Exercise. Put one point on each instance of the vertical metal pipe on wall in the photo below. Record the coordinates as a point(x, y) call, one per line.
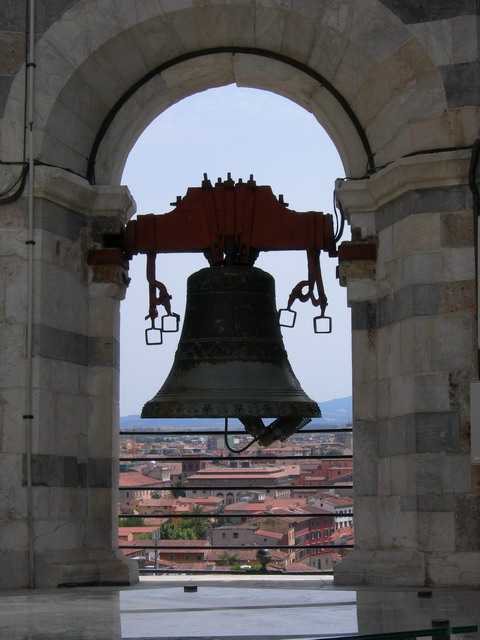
point(475, 386)
point(28, 417)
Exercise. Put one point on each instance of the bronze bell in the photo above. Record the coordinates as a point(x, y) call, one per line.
point(230, 360)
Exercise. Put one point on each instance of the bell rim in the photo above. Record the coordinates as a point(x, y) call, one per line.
point(229, 409)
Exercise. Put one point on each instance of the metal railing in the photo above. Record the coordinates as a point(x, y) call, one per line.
point(158, 546)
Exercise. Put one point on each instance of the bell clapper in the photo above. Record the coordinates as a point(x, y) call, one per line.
point(237, 450)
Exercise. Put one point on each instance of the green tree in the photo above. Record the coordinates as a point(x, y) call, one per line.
point(145, 536)
point(334, 452)
point(167, 531)
point(178, 493)
point(222, 520)
point(193, 528)
point(131, 521)
point(229, 559)
point(195, 525)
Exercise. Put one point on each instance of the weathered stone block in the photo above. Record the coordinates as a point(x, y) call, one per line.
point(460, 264)
point(5, 84)
point(407, 565)
point(415, 338)
point(422, 268)
point(467, 523)
point(389, 351)
point(366, 522)
point(436, 531)
point(298, 37)
point(57, 535)
point(402, 476)
point(429, 475)
point(58, 376)
point(44, 427)
point(63, 503)
point(100, 503)
point(402, 396)
point(14, 534)
point(397, 528)
point(376, 30)
point(365, 445)
point(457, 296)
point(411, 12)
point(61, 345)
point(15, 571)
point(363, 316)
point(384, 250)
point(408, 302)
point(464, 38)
point(41, 502)
point(432, 392)
point(425, 98)
point(396, 436)
point(48, 470)
point(71, 420)
point(456, 474)
point(384, 475)
point(358, 289)
point(438, 432)
point(457, 229)
point(13, 495)
point(408, 503)
point(461, 83)
point(99, 532)
point(436, 502)
point(451, 339)
point(103, 381)
point(365, 401)
point(383, 398)
point(436, 38)
point(14, 16)
point(102, 412)
point(12, 52)
point(424, 201)
point(416, 234)
point(453, 569)
point(365, 354)
point(100, 473)
point(12, 363)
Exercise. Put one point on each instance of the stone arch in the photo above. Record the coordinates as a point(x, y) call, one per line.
point(412, 375)
point(349, 68)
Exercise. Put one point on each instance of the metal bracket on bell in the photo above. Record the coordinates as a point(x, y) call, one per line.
point(282, 313)
point(151, 329)
point(170, 326)
point(316, 324)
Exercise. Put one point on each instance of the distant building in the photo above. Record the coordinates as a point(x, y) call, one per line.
point(232, 483)
point(341, 506)
point(134, 486)
point(173, 551)
point(232, 535)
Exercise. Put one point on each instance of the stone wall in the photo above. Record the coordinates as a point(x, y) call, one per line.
point(414, 337)
point(395, 83)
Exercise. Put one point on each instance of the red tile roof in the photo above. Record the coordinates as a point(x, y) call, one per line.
point(134, 479)
point(342, 532)
point(299, 566)
point(127, 530)
point(269, 534)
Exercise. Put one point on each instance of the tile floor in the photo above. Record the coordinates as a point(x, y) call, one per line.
point(256, 608)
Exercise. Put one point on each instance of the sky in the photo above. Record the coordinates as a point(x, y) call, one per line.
point(242, 131)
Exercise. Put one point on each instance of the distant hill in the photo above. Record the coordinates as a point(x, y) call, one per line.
point(334, 412)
